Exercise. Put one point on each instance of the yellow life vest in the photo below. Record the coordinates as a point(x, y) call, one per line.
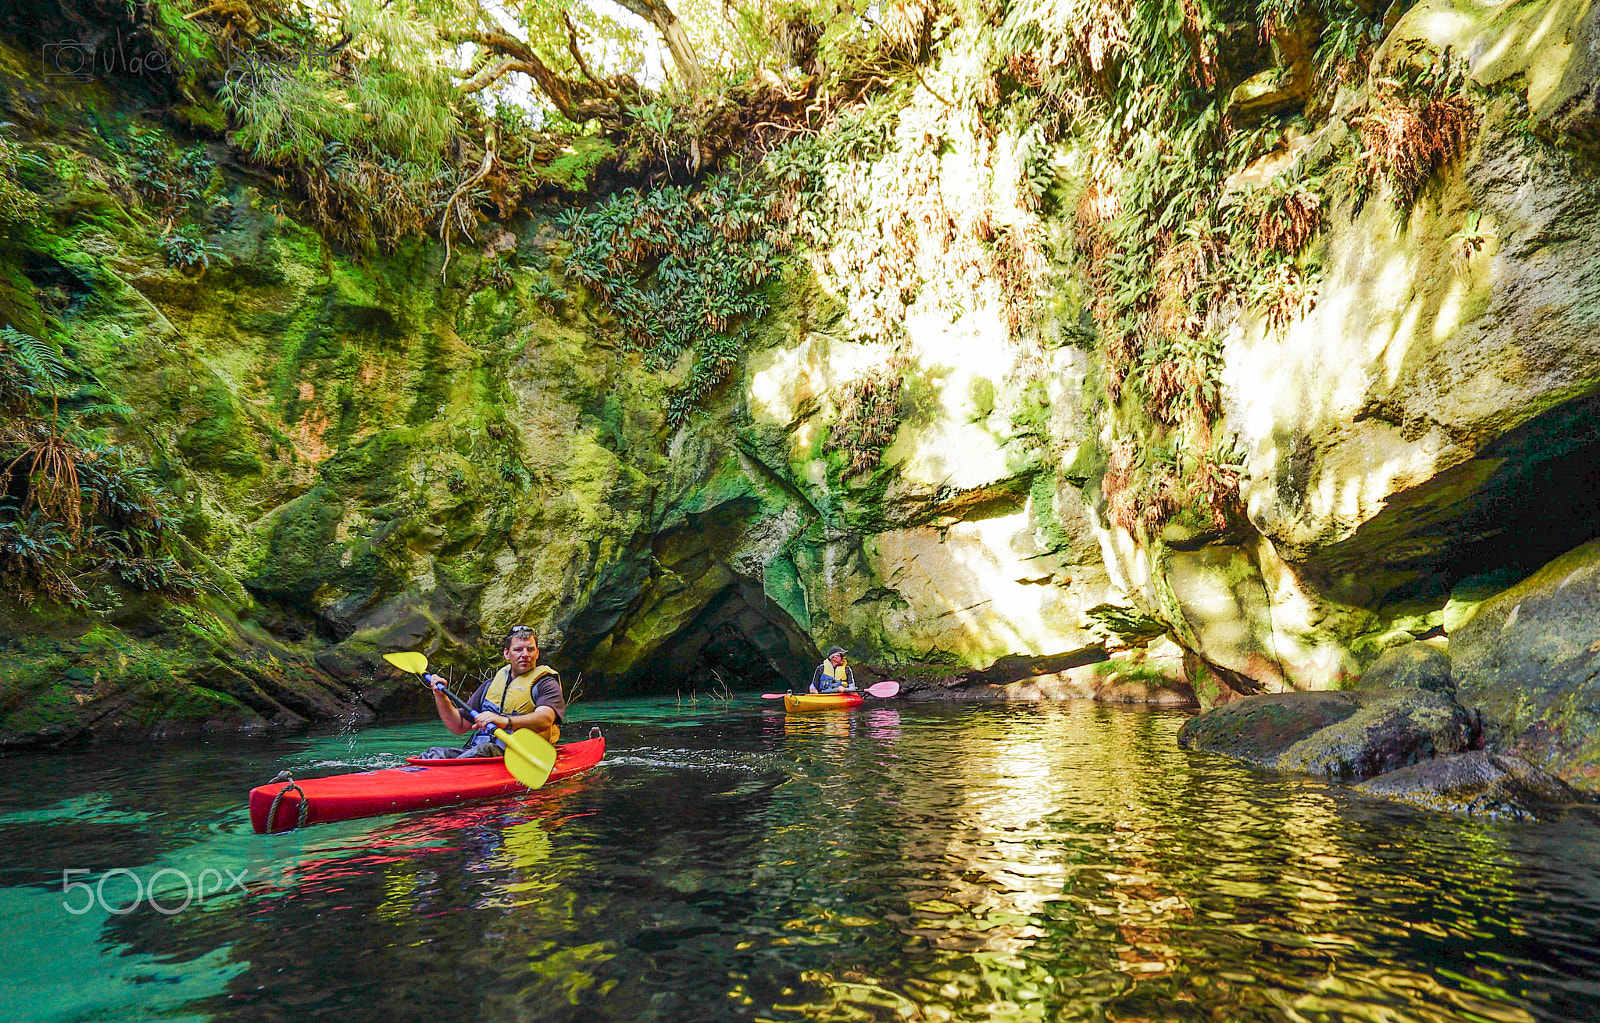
point(839, 673)
point(516, 694)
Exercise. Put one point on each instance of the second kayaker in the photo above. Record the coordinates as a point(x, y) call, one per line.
point(523, 694)
point(833, 675)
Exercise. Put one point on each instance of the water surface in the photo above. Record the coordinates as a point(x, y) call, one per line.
point(1062, 862)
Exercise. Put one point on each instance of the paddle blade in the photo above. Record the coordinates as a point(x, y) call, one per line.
point(408, 660)
point(884, 689)
point(773, 696)
point(529, 757)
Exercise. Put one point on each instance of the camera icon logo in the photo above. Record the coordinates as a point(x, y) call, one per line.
point(67, 60)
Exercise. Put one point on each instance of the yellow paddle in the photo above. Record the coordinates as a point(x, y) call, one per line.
point(529, 757)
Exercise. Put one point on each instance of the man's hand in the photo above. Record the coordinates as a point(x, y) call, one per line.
point(489, 717)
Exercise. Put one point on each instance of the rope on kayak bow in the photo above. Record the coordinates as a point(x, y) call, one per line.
point(305, 804)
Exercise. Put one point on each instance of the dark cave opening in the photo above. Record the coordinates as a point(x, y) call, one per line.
point(1537, 496)
point(740, 640)
point(1542, 503)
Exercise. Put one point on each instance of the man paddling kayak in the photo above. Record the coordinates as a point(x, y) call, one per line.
point(833, 675)
point(523, 694)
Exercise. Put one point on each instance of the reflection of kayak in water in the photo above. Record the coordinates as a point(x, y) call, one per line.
point(820, 701)
point(420, 784)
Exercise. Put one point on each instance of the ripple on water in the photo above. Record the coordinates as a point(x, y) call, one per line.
point(898, 863)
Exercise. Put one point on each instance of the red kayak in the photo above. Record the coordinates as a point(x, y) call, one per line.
point(420, 784)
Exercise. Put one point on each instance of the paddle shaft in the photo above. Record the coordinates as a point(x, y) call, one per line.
point(868, 691)
point(461, 705)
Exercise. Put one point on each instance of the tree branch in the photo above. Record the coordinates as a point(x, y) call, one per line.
point(577, 101)
point(657, 13)
point(577, 55)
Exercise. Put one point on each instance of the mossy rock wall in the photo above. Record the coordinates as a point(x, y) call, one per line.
point(386, 450)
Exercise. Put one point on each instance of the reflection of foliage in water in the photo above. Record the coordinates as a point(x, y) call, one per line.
point(1068, 862)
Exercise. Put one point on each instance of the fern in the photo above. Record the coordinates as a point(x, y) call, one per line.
point(42, 360)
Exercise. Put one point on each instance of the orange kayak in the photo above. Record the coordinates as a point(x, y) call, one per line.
point(420, 784)
point(820, 701)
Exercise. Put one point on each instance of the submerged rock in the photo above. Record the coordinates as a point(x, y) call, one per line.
point(1477, 783)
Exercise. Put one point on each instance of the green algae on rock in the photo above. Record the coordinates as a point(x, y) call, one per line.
point(1247, 417)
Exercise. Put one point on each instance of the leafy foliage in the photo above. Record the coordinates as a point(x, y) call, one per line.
point(187, 249)
point(1350, 34)
point(547, 293)
point(394, 117)
point(18, 206)
point(1412, 129)
point(35, 556)
point(71, 502)
point(1145, 83)
point(171, 181)
point(1172, 248)
point(1287, 214)
point(1468, 242)
point(683, 270)
point(869, 416)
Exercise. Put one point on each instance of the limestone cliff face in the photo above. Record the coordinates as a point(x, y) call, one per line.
point(383, 452)
point(1431, 419)
point(1425, 435)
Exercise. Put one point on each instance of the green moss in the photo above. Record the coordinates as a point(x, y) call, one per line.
point(188, 48)
point(196, 704)
point(218, 440)
point(574, 169)
point(1042, 501)
point(981, 394)
point(205, 116)
point(50, 709)
point(1208, 687)
point(781, 582)
point(299, 548)
point(1134, 670)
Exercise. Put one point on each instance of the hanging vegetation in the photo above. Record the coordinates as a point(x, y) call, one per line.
point(683, 270)
point(1170, 246)
point(71, 502)
point(869, 416)
point(1413, 127)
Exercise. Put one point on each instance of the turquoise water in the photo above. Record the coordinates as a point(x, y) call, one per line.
point(1058, 862)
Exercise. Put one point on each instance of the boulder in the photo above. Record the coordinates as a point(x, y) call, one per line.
point(1529, 660)
point(1392, 729)
point(1346, 736)
point(1413, 665)
point(1272, 91)
point(1261, 729)
point(1477, 783)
